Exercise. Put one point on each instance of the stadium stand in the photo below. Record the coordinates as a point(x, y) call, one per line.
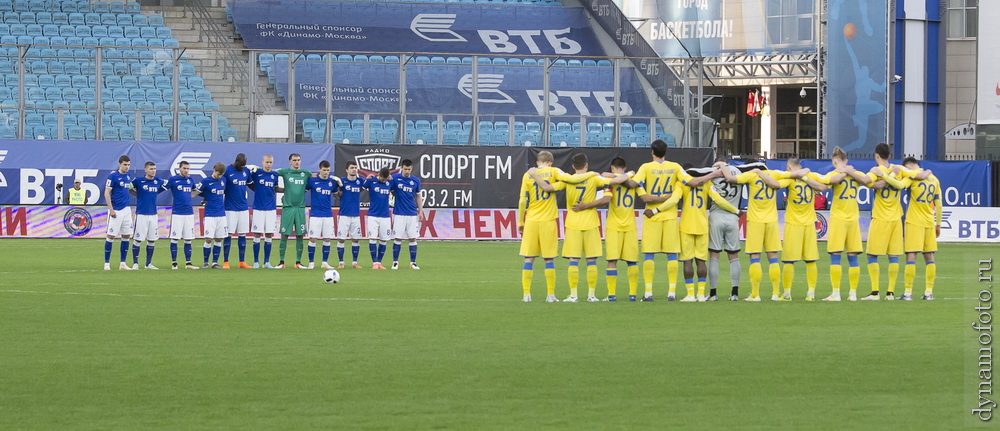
point(61, 73)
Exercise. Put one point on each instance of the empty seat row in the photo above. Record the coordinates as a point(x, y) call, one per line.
point(110, 107)
point(23, 19)
point(10, 50)
point(51, 6)
point(113, 133)
point(83, 81)
point(84, 30)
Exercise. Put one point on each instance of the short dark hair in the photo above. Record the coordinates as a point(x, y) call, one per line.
point(219, 167)
point(290, 156)
point(148, 164)
point(406, 162)
point(350, 163)
point(794, 161)
point(659, 148)
point(384, 173)
point(241, 158)
point(324, 164)
point(183, 163)
point(579, 161)
point(882, 150)
point(909, 160)
point(619, 162)
point(124, 158)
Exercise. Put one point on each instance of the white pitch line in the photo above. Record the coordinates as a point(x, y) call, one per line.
point(267, 298)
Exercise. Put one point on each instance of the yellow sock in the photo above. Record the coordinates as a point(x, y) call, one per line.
point(550, 278)
point(909, 274)
point(788, 274)
point(755, 276)
point(591, 279)
point(853, 275)
point(611, 278)
point(893, 275)
point(701, 286)
point(812, 275)
point(672, 269)
point(526, 275)
point(774, 273)
point(633, 279)
point(574, 278)
point(648, 269)
point(836, 273)
point(873, 274)
point(931, 272)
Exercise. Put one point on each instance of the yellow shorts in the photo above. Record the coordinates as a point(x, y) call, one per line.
point(660, 236)
point(694, 246)
point(582, 243)
point(844, 235)
point(622, 245)
point(920, 239)
point(885, 237)
point(762, 237)
point(541, 238)
point(799, 244)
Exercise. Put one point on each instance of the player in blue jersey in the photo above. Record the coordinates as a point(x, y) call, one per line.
point(379, 224)
point(349, 220)
point(323, 188)
point(408, 212)
point(147, 227)
point(213, 189)
point(119, 214)
point(264, 220)
point(237, 212)
point(182, 214)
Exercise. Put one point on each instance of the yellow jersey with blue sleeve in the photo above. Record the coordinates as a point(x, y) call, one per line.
point(888, 206)
point(584, 192)
point(800, 210)
point(660, 179)
point(763, 207)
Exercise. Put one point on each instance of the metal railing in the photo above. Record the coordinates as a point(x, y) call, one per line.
point(233, 67)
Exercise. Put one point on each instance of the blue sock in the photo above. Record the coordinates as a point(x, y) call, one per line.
point(381, 251)
point(701, 279)
point(355, 251)
point(267, 250)
point(326, 251)
point(893, 259)
point(216, 251)
point(187, 251)
point(340, 251)
point(413, 252)
point(528, 266)
point(108, 245)
point(312, 251)
point(688, 281)
point(373, 249)
point(872, 259)
point(754, 260)
point(207, 251)
point(226, 243)
point(852, 261)
point(772, 260)
point(671, 256)
point(612, 272)
point(835, 259)
point(550, 265)
point(135, 253)
point(173, 251)
point(149, 254)
point(396, 246)
point(649, 256)
point(256, 250)
point(123, 248)
point(241, 242)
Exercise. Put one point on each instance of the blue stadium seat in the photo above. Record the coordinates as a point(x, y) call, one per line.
point(117, 7)
point(124, 19)
point(434, 60)
point(452, 60)
point(161, 134)
point(139, 20)
point(164, 33)
point(60, 18)
point(422, 59)
point(155, 20)
point(132, 7)
point(361, 58)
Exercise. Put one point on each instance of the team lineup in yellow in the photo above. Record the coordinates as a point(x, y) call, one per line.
point(708, 201)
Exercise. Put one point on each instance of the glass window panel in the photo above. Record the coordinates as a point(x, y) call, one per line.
point(807, 126)
point(805, 29)
point(955, 24)
point(785, 126)
point(971, 23)
point(805, 7)
point(788, 7)
point(788, 29)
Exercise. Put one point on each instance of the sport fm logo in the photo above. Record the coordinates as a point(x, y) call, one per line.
point(370, 164)
point(486, 84)
point(429, 25)
point(196, 160)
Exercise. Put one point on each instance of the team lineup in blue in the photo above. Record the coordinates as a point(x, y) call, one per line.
point(227, 212)
point(708, 225)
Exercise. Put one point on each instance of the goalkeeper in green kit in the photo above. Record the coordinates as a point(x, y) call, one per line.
point(293, 208)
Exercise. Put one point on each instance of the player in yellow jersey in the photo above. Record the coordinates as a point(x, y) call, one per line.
point(762, 224)
point(800, 230)
point(583, 236)
point(845, 232)
point(536, 218)
point(657, 180)
point(885, 233)
point(694, 231)
point(620, 231)
point(923, 226)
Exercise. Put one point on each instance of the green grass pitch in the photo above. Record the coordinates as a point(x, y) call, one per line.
point(453, 347)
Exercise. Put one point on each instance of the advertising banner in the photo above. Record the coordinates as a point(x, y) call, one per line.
point(414, 27)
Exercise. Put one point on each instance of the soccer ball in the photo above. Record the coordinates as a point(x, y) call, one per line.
point(331, 276)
